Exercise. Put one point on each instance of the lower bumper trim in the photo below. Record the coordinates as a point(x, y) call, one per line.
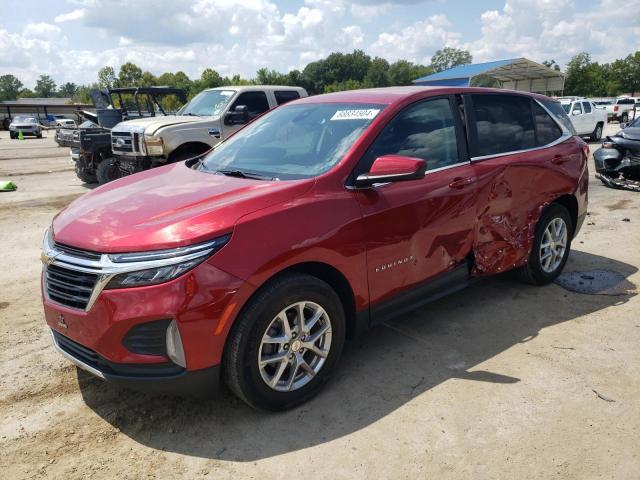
point(154, 379)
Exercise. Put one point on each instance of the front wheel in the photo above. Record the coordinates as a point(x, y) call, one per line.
point(286, 343)
point(625, 118)
point(108, 170)
point(551, 246)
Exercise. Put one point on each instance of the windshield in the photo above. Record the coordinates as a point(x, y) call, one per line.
point(566, 107)
point(207, 103)
point(24, 119)
point(293, 142)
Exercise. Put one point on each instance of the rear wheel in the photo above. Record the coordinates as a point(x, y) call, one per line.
point(108, 170)
point(625, 118)
point(286, 343)
point(84, 175)
point(551, 246)
point(596, 135)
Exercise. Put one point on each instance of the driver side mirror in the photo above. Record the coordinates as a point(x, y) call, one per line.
point(392, 168)
point(237, 116)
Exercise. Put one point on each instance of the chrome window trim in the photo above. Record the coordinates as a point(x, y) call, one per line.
point(78, 363)
point(106, 269)
point(566, 134)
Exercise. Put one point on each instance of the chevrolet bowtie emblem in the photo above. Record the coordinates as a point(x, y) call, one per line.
point(61, 322)
point(48, 259)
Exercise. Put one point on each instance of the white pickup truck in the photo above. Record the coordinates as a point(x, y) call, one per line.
point(587, 119)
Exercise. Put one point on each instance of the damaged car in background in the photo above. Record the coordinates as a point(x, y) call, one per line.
point(91, 143)
point(618, 161)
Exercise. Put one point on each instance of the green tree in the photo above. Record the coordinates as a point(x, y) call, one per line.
point(210, 79)
point(107, 77)
point(9, 87)
point(265, 76)
point(130, 75)
point(67, 90)
point(404, 72)
point(377, 73)
point(26, 93)
point(342, 86)
point(627, 72)
point(148, 79)
point(45, 87)
point(449, 57)
point(586, 78)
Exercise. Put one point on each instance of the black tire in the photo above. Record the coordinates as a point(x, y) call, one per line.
point(12, 135)
point(240, 360)
point(625, 118)
point(39, 135)
point(85, 176)
point(532, 272)
point(5, 123)
point(596, 135)
point(108, 170)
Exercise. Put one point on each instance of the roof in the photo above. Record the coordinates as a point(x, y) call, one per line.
point(465, 71)
point(257, 87)
point(390, 95)
point(514, 73)
point(40, 101)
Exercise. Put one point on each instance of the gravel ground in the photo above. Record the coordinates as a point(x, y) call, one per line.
point(502, 380)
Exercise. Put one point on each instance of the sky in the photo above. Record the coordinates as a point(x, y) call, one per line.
point(72, 39)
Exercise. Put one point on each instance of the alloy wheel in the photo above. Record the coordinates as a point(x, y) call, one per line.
point(295, 346)
point(553, 245)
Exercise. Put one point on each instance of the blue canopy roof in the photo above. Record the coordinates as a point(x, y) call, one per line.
point(465, 71)
point(514, 73)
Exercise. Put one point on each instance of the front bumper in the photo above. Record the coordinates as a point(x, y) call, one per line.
point(164, 378)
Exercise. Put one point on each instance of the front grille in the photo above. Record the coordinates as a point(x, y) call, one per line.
point(76, 252)
point(122, 142)
point(82, 353)
point(69, 287)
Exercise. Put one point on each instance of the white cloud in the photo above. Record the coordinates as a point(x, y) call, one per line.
point(41, 29)
point(418, 41)
point(76, 14)
point(241, 36)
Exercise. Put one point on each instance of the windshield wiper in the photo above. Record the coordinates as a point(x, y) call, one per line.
point(241, 174)
point(191, 114)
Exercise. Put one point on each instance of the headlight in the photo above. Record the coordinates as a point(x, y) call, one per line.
point(160, 266)
point(154, 145)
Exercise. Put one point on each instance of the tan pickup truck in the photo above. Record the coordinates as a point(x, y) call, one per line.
point(210, 117)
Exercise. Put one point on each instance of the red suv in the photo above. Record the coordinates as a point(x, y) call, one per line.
point(325, 216)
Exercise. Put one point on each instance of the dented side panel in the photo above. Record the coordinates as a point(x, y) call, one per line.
point(512, 192)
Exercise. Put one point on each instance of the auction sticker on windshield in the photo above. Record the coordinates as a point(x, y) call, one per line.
point(360, 114)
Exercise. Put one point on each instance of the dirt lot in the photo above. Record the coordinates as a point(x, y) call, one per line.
point(498, 381)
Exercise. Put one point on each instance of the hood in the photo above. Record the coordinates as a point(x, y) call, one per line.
point(152, 124)
point(630, 133)
point(165, 207)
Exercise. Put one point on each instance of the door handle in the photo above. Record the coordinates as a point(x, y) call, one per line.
point(559, 159)
point(460, 182)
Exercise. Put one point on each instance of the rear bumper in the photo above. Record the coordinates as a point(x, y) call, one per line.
point(168, 379)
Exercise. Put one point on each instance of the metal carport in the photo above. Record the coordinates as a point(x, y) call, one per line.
point(514, 74)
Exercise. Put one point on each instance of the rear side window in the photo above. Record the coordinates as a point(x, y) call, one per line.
point(625, 101)
point(424, 130)
point(256, 103)
point(503, 123)
point(284, 96)
point(587, 107)
point(556, 109)
point(547, 131)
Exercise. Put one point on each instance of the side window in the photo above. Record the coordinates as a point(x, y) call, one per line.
point(284, 96)
point(503, 123)
point(256, 103)
point(547, 131)
point(587, 107)
point(576, 109)
point(556, 109)
point(423, 130)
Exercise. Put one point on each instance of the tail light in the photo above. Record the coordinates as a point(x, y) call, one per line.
point(615, 108)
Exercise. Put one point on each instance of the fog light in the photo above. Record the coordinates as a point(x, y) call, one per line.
point(174, 345)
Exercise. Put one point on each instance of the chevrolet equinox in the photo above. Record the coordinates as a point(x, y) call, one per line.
point(252, 263)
